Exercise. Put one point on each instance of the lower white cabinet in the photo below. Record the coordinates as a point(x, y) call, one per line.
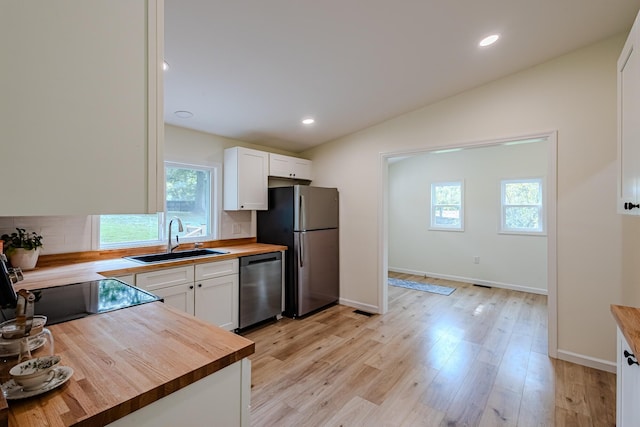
point(181, 296)
point(209, 291)
point(216, 301)
point(628, 385)
point(220, 399)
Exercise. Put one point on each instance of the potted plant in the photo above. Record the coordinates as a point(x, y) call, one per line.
point(22, 248)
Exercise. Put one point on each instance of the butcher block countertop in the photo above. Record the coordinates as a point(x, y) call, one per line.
point(628, 320)
point(56, 270)
point(126, 359)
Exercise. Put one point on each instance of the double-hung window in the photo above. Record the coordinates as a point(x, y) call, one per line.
point(447, 206)
point(522, 206)
point(191, 194)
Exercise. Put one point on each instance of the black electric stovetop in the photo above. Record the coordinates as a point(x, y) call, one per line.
point(77, 300)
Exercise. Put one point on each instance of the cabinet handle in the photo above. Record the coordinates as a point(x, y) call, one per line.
point(199, 285)
point(632, 362)
point(190, 286)
point(628, 206)
point(627, 354)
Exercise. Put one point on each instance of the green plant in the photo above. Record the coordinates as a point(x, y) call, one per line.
point(28, 241)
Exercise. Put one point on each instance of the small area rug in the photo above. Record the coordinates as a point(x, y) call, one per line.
point(427, 287)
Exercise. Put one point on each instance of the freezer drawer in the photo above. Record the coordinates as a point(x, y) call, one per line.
point(260, 288)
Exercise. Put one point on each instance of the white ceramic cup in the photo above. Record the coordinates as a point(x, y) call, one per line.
point(35, 373)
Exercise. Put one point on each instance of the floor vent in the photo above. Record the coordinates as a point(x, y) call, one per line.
point(482, 286)
point(364, 313)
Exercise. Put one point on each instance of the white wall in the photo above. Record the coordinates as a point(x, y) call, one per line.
point(506, 260)
point(574, 94)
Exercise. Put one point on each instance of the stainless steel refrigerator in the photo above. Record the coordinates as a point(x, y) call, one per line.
point(305, 219)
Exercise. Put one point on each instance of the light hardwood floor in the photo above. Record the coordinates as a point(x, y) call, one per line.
point(474, 358)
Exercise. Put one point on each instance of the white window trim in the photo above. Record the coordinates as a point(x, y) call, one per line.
point(215, 211)
point(431, 206)
point(502, 229)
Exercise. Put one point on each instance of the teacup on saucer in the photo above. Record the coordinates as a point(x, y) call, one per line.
point(34, 373)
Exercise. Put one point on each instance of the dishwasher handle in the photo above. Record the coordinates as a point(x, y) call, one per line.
point(246, 261)
point(261, 261)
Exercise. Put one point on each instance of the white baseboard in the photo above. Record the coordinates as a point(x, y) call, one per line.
point(472, 281)
point(591, 362)
point(360, 306)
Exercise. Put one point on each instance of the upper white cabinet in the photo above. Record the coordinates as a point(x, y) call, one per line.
point(81, 107)
point(289, 167)
point(629, 124)
point(245, 179)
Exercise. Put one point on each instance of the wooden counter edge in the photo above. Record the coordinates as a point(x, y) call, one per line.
point(628, 320)
point(127, 407)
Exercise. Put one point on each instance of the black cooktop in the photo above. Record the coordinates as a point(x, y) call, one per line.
point(77, 300)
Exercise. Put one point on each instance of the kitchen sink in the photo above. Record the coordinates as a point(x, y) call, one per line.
point(171, 256)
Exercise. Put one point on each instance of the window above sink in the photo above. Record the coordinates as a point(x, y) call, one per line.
point(192, 194)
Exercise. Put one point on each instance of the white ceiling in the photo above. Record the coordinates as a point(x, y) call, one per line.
point(252, 69)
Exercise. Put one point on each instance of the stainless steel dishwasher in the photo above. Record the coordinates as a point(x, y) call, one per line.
point(260, 288)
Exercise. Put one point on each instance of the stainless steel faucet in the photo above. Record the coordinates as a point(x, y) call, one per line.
point(180, 229)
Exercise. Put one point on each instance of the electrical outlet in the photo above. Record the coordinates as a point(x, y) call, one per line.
point(236, 229)
point(476, 260)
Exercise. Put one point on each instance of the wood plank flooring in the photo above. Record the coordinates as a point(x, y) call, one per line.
point(474, 358)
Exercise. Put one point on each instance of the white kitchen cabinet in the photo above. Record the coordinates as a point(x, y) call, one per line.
point(81, 119)
point(289, 167)
point(217, 288)
point(628, 385)
point(220, 399)
point(165, 277)
point(208, 290)
point(216, 301)
point(245, 179)
point(629, 124)
point(180, 296)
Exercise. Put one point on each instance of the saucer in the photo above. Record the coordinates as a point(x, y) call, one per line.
point(10, 348)
point(13, 391)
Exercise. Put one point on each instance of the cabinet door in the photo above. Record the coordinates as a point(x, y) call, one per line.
point(629, 124)
point(216, 269)
point(245, 179)
point(83, 103)
point(302, 169)
point(178, 296)
point(280, 166)
point(153, 280)
point(217, 302)
point(628, 386)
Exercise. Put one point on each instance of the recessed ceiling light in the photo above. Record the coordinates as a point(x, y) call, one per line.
point(184, 114)
point(489, 40)
point(165, 65)
point(308, 121)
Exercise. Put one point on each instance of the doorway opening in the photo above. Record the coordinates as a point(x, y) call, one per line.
point(549, 215)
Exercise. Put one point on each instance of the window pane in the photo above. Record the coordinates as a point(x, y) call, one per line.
point(522, 217)
point(522, 193)
point(446, 205)
point(188, 197)
point(128, 228)
point(447, 216)
point(447, 194)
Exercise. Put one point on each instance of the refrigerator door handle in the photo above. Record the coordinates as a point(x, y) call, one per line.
point(303, 214)
point(301, 256)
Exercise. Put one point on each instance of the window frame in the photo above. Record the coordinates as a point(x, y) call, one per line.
point(541, 206)
point(215, 204)
point(436, 227)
